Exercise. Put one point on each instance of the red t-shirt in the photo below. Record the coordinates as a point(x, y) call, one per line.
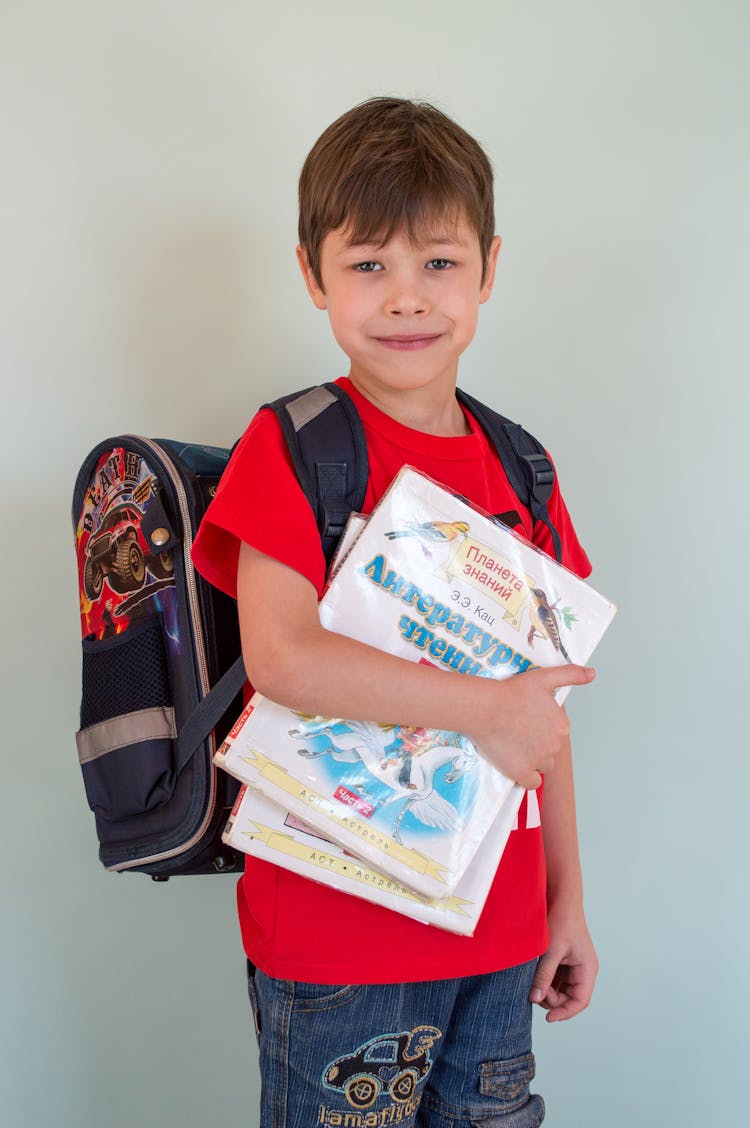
point(294, 928)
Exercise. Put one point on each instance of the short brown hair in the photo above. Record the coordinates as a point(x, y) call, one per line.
point(391, 163)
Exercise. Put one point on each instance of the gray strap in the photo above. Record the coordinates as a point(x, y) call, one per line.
point(308, 406)
point(130, 728)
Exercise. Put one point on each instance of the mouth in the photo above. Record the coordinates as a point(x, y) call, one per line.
point(406, 342)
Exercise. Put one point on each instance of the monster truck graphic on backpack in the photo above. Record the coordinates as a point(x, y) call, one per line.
point(119, 552)
point(390, 1063)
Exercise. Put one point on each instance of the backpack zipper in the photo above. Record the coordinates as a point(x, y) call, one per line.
point(199, 647)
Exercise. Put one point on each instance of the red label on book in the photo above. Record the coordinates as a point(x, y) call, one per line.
point(354, 801)
point(238, 800)
point(237, 726)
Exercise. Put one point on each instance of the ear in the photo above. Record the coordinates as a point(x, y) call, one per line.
point(489, 274)
point(315, 291)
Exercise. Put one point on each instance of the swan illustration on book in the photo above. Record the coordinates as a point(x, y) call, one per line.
point(405, 760)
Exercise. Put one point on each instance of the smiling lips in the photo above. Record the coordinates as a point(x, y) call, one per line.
point(405, 342)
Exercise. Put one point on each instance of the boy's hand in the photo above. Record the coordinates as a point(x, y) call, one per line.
point(527, 731)
point(565, 975)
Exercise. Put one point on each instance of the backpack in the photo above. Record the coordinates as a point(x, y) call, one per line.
point(162, 668)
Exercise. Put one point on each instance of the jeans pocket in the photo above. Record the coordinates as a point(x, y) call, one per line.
point(253, 997)
point(507, 1081)
point(322, 996)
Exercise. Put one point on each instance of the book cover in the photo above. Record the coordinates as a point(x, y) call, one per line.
point(436, 579)
point(354, 526)
point(431, 579)
point(259, 827)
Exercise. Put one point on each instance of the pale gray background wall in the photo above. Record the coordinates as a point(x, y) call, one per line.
point(150, 156)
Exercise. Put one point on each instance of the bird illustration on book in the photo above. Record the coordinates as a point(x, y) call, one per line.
point(434, 532)
point(431, 532)
point(544, 622)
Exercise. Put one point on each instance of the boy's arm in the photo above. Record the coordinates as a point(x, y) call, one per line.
point(565, 976)
point(293, 660)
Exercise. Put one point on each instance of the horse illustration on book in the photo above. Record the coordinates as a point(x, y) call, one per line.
point(407, 761)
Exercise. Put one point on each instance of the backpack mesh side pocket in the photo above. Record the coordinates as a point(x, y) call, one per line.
point(127, 735)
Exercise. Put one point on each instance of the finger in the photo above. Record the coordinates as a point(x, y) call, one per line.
point(530, 781)
point(543, 976)
point(567, 1009)
point(558, 676)
point(552, 999)
point(571, 995)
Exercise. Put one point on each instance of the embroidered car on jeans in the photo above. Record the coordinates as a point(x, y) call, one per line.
point(391, 1063)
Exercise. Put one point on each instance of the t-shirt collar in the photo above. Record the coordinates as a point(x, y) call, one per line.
point(443, 446)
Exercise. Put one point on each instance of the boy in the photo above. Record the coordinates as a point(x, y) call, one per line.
point(366, 1017)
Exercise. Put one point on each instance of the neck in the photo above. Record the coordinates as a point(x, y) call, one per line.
point(435, 411)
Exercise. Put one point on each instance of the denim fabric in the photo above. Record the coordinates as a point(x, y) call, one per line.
point(455, 1053)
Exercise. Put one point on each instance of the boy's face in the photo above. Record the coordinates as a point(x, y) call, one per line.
point(403, 313)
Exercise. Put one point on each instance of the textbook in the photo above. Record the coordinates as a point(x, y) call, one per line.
point(431, 579)
point(353, 527)
point(259, 827)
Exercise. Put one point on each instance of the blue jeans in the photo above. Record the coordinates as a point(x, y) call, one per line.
point(455, 1053)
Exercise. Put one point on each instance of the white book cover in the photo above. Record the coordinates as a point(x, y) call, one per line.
point(431, 579)
point(354, 526)
point(259, 827)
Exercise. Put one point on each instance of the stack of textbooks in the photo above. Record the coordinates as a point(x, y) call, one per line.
point(414, 819)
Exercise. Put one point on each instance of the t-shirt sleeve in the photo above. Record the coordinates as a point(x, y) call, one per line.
point(259, 501)
point(573, 555)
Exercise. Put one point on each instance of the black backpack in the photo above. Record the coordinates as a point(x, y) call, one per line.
point(162, 669)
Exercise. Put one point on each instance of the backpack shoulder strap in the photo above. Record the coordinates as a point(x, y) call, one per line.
point(327, 445)
point(524, 460)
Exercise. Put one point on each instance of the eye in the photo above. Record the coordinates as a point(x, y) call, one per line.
point(368, 267)
point(439, 264)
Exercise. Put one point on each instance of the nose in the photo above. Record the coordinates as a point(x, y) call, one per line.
point(406, 295)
